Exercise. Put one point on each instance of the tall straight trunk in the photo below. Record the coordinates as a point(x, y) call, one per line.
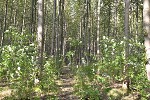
point(109, 21)
point(16, 21)
point(87, 32)
point(54, 28)
point(146, 22)
point(1, 26)
point(15, 17)
point(115, 18)
point(137, 19)
point(58, 33)
point(5, 16)
point(98, 29)
point(61, 27)
point(46, 35)
point(89, 29)
point(146, 16)
point(98, 33)
point(33, 19)
point(5, 22)
point(64, 30)
point(126, 45)
point(92, 36)
point(40, 33)
point(126, 31)
point(23, 16)
point(80, 48)
point(32, 16)
point(11, 12)
point(83, 20)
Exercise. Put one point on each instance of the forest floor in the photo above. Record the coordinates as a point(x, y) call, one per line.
point(4, 91)
point(65, 84)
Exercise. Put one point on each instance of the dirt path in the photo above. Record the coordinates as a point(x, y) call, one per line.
point(65, 84)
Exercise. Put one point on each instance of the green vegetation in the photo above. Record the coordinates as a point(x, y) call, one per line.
point(73, 50)
point(19, 71)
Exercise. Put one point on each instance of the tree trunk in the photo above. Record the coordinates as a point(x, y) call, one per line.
point(33, 5)
point(5, 22)
point(146, 16)
point(109, 21)
point(115, 18)
point(89, 32)
point(62, 27)
point(40, 33)
point(98, 29)
point(23, 16)
point(126, 31)
point(11, 12)
point(54, 28)
point(146, 22)
point(137, 20)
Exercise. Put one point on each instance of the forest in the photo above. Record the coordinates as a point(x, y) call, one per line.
point(74, 49)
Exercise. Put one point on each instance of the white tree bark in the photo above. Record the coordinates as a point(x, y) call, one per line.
point(40, 32)
point(146, 23)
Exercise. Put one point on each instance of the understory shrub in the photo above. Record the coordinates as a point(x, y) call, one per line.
point(99, 76)
point(18, 67)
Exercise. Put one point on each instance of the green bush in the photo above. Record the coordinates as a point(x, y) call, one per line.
point(85, 82)
point(18, 67)
point(110, 69)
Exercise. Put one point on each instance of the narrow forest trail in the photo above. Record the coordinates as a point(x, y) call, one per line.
point(66, 83)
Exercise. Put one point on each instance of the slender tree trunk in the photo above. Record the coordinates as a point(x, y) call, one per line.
point(33, 19)
point(137, 20)
point(80, 51)
point(11, 12)
point(146, 16)
point(61, 27)
point(109, 21)
point(5, 22)
point(46, 33)
point(146, 22)
point(126, 31)
point(54, 29)
point(83, 37)
point(33, 7)
point(92, 35)
point(23, 16)
point(64, 30)
point(15, 17)
point(1, 25)
point(98, 29)
point(115, 18)
point(40, 33)
point(58, 33)
point(5, 17)
point(89, 31)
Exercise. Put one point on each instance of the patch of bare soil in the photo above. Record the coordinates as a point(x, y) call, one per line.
point(5, 92)
point(66, 83)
